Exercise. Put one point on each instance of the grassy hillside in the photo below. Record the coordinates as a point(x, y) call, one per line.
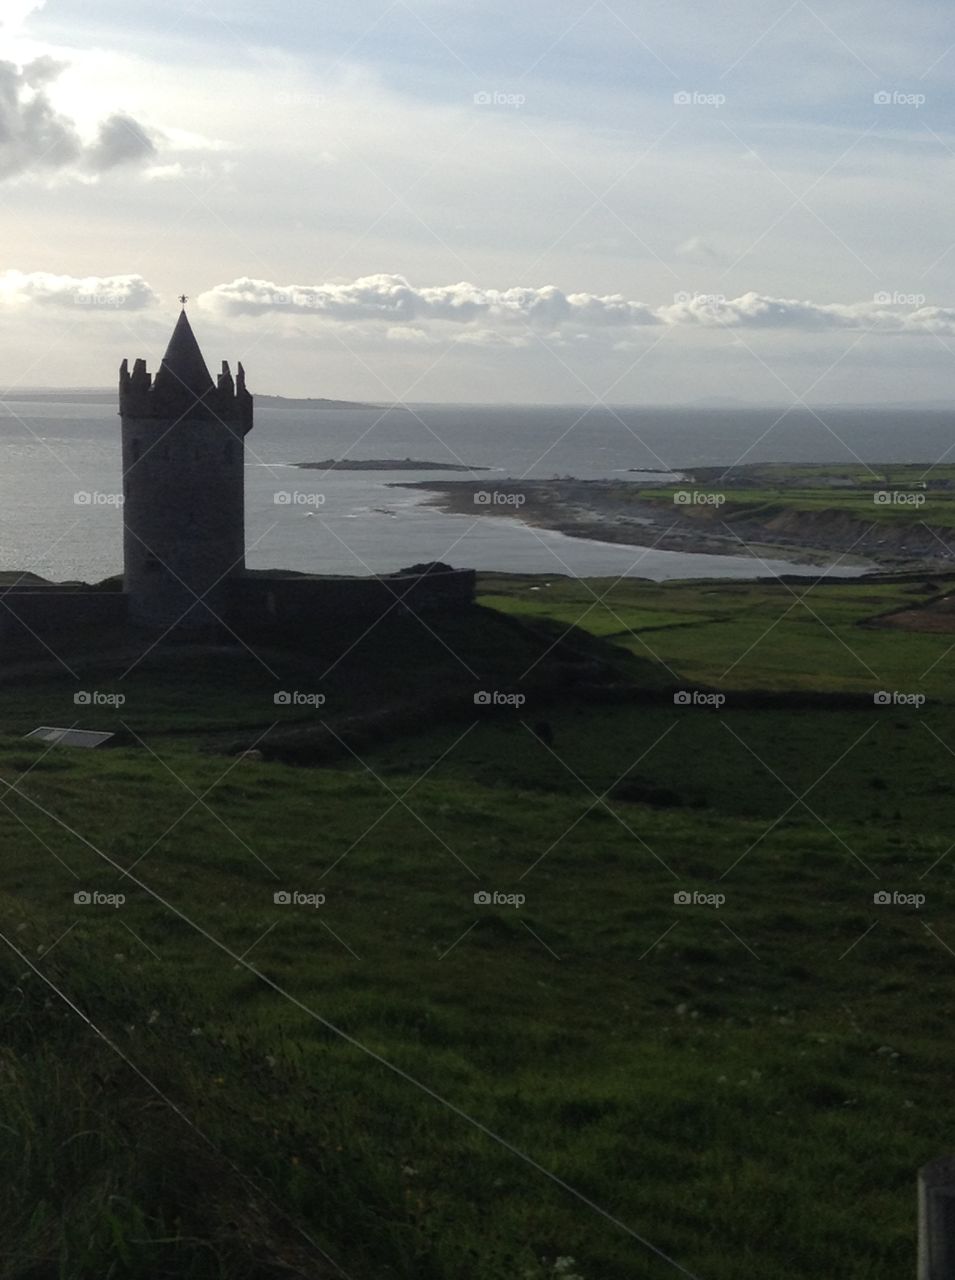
point(402, 1082)
point(893, 496)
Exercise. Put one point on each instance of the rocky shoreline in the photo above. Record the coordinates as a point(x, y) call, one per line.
point(613, 511)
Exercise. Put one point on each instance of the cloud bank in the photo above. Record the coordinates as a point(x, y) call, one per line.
point(393, 300)
point(97, 293)
point(411, 315)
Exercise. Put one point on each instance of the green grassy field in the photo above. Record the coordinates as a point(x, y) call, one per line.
point(403, 1082)
point(891, 496)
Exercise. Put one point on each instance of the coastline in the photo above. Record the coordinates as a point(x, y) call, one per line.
point(617, 512)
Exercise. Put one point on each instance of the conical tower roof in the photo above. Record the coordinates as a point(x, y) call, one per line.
point(183, 367)
point(183, 390)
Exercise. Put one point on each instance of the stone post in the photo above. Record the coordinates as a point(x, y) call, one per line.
point(936, 1187)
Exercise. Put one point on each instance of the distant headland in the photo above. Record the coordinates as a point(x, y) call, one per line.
point(107, 395)
point(384, 464)
point(316, 403)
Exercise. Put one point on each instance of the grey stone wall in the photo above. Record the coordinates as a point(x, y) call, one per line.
point(184, 519)
point(37, 616)
point(259, 602)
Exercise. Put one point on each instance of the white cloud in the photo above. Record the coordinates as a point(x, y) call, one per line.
point(394, 299)
point(577, 316)
point(36, 138)
point(32, 134)
point(756, 311)
point(16, 12)
point(97, 293)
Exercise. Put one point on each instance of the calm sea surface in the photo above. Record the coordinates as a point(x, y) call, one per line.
point(51, 451)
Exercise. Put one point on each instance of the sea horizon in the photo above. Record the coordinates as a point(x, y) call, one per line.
point(367, 522)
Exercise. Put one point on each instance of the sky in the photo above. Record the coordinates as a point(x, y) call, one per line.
point(557, 201)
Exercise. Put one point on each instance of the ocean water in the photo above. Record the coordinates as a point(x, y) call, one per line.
point(50, 451)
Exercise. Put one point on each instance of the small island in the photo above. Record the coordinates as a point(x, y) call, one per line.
point(384, 464)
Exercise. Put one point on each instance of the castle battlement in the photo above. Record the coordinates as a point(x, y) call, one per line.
point(183, 389)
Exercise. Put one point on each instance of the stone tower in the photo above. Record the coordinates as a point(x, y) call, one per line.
point(183, 486)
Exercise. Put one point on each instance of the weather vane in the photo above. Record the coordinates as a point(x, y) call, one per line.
point(183, 298)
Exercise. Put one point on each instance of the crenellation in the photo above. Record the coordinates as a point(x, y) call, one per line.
point(141, 380)
point(225, 385)
point(134, 390)
point(244, 404)
point(142, 397)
